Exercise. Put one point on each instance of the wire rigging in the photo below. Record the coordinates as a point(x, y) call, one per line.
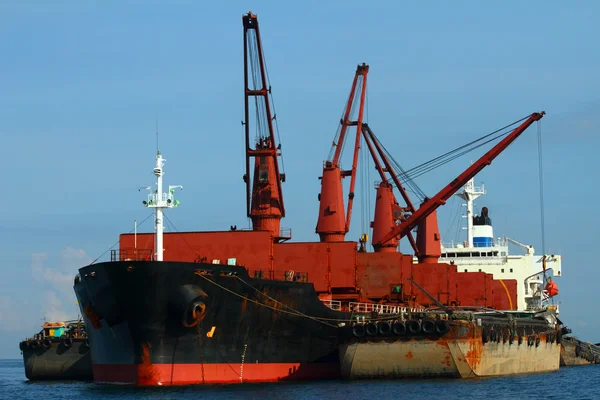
point(457, 152)
point(274, 112)
point(401, 173)
point(541, 179)
point(256, 83)
point(117, 242)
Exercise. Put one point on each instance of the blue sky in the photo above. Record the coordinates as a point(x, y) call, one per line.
point(81, 85)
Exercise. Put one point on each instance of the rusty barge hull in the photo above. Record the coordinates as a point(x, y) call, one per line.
point(575, 352)
point(468, 350)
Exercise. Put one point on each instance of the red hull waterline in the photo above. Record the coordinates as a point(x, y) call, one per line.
point(193, 374)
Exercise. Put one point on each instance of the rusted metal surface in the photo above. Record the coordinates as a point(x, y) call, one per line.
point(146, 370)
point(460, 353)
point(575, 352)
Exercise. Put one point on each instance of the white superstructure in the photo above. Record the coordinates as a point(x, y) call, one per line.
point(482, 253)
point(159, 200)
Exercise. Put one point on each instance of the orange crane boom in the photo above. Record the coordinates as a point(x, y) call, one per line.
point(431, 205)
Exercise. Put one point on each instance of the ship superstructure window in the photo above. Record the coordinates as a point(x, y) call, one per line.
point(480, 270)
point(502, 270)
point(511, 270)
point(465, 270)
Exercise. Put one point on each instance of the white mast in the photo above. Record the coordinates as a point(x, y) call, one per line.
point(159, 200)
point(470, 193)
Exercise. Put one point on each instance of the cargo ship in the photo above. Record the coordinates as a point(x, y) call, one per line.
point(240, 305)
point(60, 351)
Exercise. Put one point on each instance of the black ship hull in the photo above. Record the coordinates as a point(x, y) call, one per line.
point(54, 360)
point(177, 323)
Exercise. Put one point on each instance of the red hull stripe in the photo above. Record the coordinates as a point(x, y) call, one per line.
point(191, 374)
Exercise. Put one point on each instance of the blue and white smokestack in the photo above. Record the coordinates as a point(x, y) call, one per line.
point(483, 233)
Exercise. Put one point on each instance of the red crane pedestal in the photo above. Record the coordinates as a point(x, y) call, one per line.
point(266, 207)
point(428, 239)
point(387, 211)
point(331, 225)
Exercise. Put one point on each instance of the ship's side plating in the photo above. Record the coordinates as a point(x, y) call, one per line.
point(461, 348)
point(169, 323)
point(576, 352)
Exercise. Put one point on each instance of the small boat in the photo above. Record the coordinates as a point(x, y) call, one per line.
point(60, 351)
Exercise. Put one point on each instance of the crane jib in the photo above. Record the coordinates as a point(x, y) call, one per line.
point(436, 201)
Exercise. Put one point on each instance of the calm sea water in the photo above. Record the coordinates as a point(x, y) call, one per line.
point(569, 383)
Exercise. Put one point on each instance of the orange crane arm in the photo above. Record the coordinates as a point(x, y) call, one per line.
point(440, 198)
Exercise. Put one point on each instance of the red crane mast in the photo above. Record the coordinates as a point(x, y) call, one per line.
point(331, 224)
point(264, 197)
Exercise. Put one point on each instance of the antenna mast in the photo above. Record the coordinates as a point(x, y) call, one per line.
point(159, 201)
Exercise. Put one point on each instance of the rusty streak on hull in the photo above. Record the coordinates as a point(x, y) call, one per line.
point(461, 353)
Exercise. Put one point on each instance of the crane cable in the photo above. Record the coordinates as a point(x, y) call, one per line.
point(458, 152)
point(118, 241)
point(541, 181)
point(542, 218)
point(274, 117)
point(365, 166)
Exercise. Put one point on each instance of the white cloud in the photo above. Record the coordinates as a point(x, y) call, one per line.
point(37, 264)
point(58, 301)
point(53, 309)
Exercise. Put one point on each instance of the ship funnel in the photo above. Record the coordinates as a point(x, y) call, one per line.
point(483, 233)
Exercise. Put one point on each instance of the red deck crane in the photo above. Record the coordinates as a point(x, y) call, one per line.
point(264, 197)
point(332, 225)
point(428, 237)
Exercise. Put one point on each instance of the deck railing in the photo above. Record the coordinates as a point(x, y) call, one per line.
point(288, 275)
point(357, 307)
point(131, 255)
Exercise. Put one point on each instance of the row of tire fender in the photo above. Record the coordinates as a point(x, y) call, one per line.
point(586, 355)
point(47, 343)
point(401, 328)
point(494, 335)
